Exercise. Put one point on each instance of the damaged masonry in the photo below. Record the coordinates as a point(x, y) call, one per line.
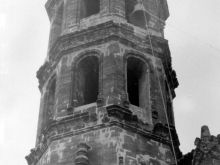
point(107, 87)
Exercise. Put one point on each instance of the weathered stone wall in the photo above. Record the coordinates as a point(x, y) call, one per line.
point(113, 54)
point(112, 80)
point(65, 16)
point(108, 146)
point(110, 130)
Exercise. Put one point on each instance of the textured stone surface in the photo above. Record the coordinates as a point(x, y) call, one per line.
point(72, 129)
point(112, 78)
point(106, 146)
point(207, 150)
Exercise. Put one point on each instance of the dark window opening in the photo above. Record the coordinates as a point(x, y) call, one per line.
point(88, 80)
point(155, 115)
point(89, 7)
point(137, 82)
point(136, 14)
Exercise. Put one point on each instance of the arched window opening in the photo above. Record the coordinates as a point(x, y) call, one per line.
point(89, 7)
point(136, 13)
point(88, 80)
point(137, 82)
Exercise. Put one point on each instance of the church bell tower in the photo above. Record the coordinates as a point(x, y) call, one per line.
point(106, 86)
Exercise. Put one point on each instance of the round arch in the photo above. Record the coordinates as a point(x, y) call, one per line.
point(86, 77)
point(137, 81)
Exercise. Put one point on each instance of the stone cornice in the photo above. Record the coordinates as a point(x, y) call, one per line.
point(98, 33)
point(114, 115)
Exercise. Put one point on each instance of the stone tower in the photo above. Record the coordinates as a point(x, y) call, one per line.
point(106, 86)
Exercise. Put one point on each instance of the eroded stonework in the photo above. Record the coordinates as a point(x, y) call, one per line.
point(109, 144)
point(106, 86)
point(207, 151)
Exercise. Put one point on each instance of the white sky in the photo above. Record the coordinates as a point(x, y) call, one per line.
point(193, 31)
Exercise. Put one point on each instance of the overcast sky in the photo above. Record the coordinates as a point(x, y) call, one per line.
point(193, 31)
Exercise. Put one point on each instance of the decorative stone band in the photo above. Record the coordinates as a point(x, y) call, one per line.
point(82, 154)
point(121, 160)
point(113, 115)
